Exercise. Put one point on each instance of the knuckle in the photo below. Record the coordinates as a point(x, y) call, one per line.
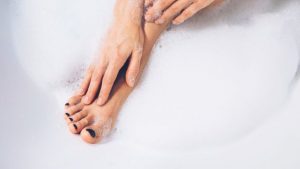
point(85, 82)
point(100, 68)
point(187, 14)
point(115, 64)
point(90, 70)
point(104, 95)
point(120, 51)
point(173, 10)
point(108, 81)
point(168, 15)
point(194, 9)
point(90, 93)
point(106, 85)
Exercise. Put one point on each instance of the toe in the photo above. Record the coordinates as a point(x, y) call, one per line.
point(78, 116)
point(76, 127)
point(71, 110)
point(91, 134)
point(73, 100)
point(73, 128)
point(94, 133)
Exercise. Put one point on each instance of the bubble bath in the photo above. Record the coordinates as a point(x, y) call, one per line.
point(210, 82)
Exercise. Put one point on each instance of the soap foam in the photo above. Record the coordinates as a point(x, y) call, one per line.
point(210, 81)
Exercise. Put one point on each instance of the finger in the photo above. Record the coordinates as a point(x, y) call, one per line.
point(134, 67)
point(94, 84)
point(86, 81)
point(174, 10)
point(107, 83)
point(148, 3)
point(156, 10)
point(191, 11)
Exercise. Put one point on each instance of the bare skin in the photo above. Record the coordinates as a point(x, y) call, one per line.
point(124, 42)
point(94, 122)
point(160, 11)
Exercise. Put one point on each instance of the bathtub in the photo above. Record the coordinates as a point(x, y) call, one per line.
point(34, 134)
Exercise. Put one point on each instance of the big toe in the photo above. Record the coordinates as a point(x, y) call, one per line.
point(91, 134)
point(95, 133)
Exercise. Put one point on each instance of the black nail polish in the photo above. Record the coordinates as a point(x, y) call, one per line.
point(67, 104)
point(71, 119)
point(92, 132)
point(68, 114)
point(75, 126)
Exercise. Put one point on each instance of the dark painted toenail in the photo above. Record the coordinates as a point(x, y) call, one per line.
point(75, 126)
point(67, 104)
point(92, 132)
point(71, 119)
point(68, 114)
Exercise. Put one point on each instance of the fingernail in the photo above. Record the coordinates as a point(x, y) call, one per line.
point(131, 81)
point(91, 132)
point(160, 21)
point(67, 114)
point(75, 126)
point(71, 119)
point(67, 104)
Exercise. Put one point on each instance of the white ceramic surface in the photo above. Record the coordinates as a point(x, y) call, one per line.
point(219, 91)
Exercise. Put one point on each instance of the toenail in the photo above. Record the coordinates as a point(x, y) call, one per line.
point(75, 126)
point(91, 132)
point(67, 104)
point(71, 119)
point(68, 114)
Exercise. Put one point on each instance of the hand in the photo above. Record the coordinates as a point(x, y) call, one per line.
point(124, 42)
point(160, 11)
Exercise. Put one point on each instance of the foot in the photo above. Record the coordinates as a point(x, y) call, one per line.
point(93, 122)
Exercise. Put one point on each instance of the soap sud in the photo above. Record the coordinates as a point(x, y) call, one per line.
point(107, 128)
point(218, 77)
